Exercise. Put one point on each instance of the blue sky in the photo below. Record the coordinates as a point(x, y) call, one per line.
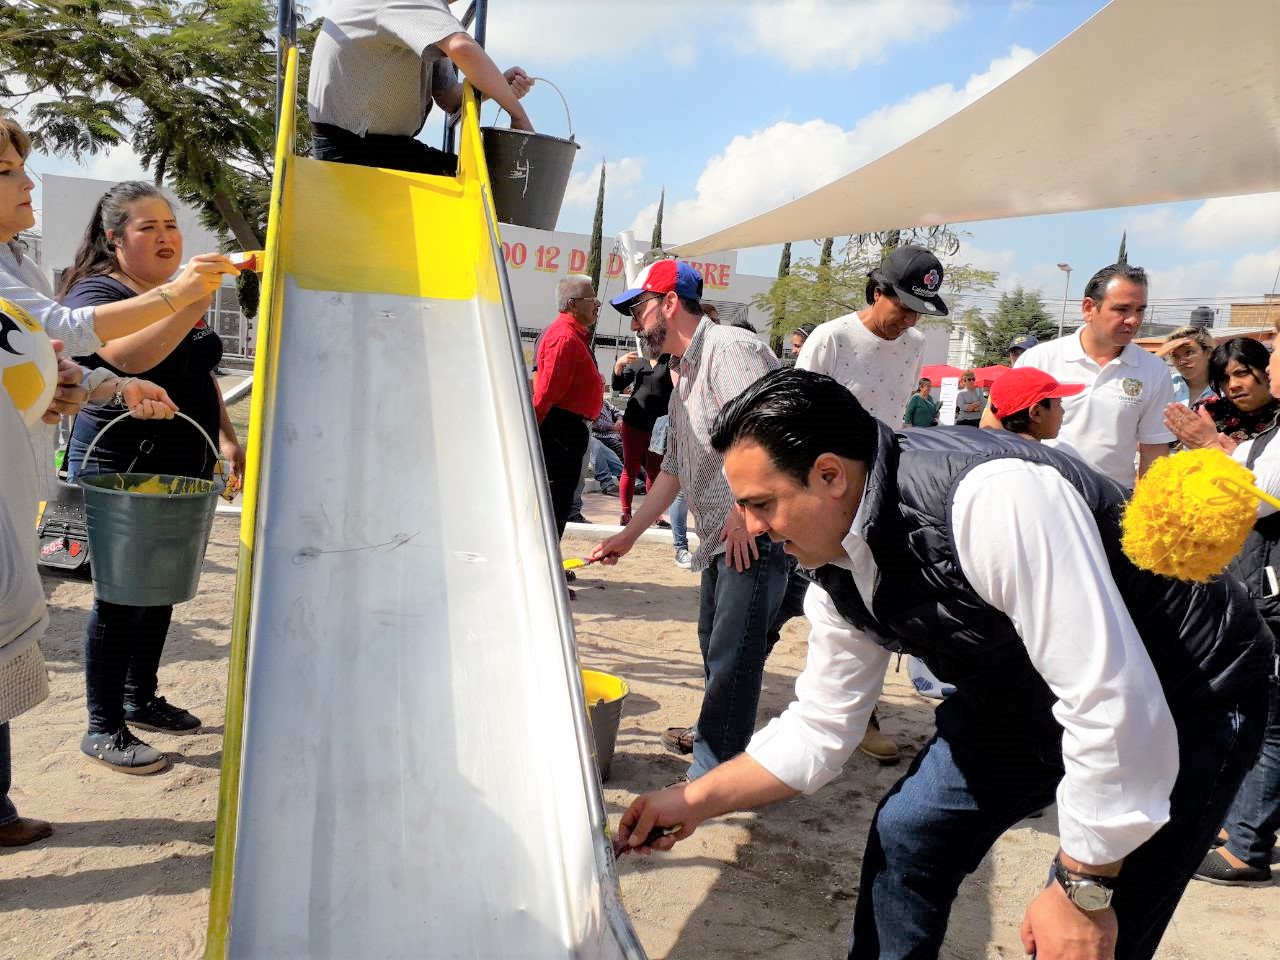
point(735, 107)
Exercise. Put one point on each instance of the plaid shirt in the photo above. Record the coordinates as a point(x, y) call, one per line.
point(720, 363)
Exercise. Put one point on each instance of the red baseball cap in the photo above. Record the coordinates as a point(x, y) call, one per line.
point(662, 276)
point(1023, 387)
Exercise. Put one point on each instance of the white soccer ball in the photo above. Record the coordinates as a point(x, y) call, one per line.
point(28, 365)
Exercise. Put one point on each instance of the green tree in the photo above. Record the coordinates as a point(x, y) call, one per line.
point(189, 84)
point(594, 256)
point(779, 321)
point(656, 242)
point(1019, 312)
point(813, 291)
point(1122, 258)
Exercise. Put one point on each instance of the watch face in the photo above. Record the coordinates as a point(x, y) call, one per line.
point(1088, 895)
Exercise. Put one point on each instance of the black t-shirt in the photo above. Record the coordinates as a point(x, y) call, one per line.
point(650, 394)
point(155, 446)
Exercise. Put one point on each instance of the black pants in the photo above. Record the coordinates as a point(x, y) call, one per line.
point(564, 438)
point(121, 656)
point(380, 150)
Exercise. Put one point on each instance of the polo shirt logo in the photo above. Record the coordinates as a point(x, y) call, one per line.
point(1132, 386)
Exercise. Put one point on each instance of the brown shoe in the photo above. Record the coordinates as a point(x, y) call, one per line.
point(22, 831)
point(877, 746)
point(679, 740)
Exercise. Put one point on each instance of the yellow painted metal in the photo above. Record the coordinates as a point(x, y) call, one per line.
point(402, 233)
point(266, 363)
point(422, 239)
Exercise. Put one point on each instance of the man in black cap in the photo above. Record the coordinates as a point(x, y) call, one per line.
point(877, 355)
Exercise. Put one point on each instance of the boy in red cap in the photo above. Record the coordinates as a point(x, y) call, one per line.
point(1028, 402)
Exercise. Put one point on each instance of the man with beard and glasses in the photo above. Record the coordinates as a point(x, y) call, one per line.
point(743, 577)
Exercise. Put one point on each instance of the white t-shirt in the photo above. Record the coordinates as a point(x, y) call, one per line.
point(882, 374)
point(1122, 404)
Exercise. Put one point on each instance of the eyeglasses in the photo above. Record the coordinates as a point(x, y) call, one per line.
point(593, 300)
point(637, 308)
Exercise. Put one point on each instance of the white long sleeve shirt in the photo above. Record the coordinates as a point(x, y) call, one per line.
point(1029, 546)
point(21, 282)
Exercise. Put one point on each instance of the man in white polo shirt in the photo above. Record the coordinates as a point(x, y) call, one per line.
point(1120, 414)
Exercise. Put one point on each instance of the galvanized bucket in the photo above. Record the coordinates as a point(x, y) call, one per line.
point(605, 695)
point(529, 172)
point(147, 531)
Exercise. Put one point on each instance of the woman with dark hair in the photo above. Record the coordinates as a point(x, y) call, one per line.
point(131, 248)
point(1242, 408)
point(799, 335)
point(650, 382)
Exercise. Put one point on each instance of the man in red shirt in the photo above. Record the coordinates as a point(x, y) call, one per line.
point(568, 390)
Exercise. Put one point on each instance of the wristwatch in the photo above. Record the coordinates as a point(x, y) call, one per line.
point(1087, 891)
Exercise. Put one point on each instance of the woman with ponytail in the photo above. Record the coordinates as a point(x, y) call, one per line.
point(131, 248)
point(84, 329)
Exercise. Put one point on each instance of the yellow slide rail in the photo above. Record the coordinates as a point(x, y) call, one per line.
point(264, 371)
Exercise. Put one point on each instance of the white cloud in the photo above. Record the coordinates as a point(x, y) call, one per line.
point(839, 34)
point(622, 175)
point(1155, 227)
point(1184, 281)
point(680, 54)
point(1021, 6)
point(563, 31)
point(120, 163)
point(769, 167)
point(1232, 222)
point(1253, 274)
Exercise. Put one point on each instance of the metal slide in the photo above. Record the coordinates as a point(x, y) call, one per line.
point(408, 768)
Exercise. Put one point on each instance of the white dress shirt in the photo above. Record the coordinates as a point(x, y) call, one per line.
point(1029, 546)
point(1122, 404)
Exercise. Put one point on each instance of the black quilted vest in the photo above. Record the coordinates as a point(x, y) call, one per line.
point(1206, 640)
point(1258, 564)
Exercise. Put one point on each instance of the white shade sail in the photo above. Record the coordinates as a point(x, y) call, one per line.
point(1149, 101)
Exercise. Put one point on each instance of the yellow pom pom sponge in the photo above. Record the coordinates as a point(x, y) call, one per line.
point(1190, 514)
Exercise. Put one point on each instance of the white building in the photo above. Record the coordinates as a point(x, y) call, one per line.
point(535, 259)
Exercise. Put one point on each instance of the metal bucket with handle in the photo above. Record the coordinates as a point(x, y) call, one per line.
point(529, 172)
point(147, 531)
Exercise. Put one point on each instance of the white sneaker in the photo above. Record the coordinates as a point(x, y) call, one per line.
point(684, 559)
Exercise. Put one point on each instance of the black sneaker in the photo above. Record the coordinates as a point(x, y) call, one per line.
point(163, 716)
point(1215, 869)
point(122, 752)
point(576, 518)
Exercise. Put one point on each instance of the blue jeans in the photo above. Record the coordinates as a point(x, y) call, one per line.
point(972, 783)
point(734, 614)
point(679, 514)
point(1254, 816)
point(8, 813)
point(606, 466)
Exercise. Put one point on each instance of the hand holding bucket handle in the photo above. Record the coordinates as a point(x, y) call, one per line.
point(568, 116)
point(222, 468)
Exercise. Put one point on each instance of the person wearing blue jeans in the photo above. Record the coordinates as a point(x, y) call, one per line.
point(743, 574)
point(735, 610)
point(679, 511)
point(1136, 701)
point(1254, 817)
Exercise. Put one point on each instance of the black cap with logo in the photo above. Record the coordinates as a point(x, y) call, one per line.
point(916, 276)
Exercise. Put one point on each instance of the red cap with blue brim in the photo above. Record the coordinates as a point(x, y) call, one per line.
point(663, 276)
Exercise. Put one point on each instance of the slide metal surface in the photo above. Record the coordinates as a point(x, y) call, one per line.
point(408, 765)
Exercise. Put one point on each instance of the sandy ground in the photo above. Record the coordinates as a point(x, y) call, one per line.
point(126, 873)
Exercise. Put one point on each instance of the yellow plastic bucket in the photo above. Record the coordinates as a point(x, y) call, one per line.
point(605, 695)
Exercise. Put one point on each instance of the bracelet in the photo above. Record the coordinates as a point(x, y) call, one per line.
point(117, 399)
point(164, 295)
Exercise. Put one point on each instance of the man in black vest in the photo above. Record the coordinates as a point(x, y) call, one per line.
point(1137, 700)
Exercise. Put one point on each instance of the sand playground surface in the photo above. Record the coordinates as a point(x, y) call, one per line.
point(126, 873)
